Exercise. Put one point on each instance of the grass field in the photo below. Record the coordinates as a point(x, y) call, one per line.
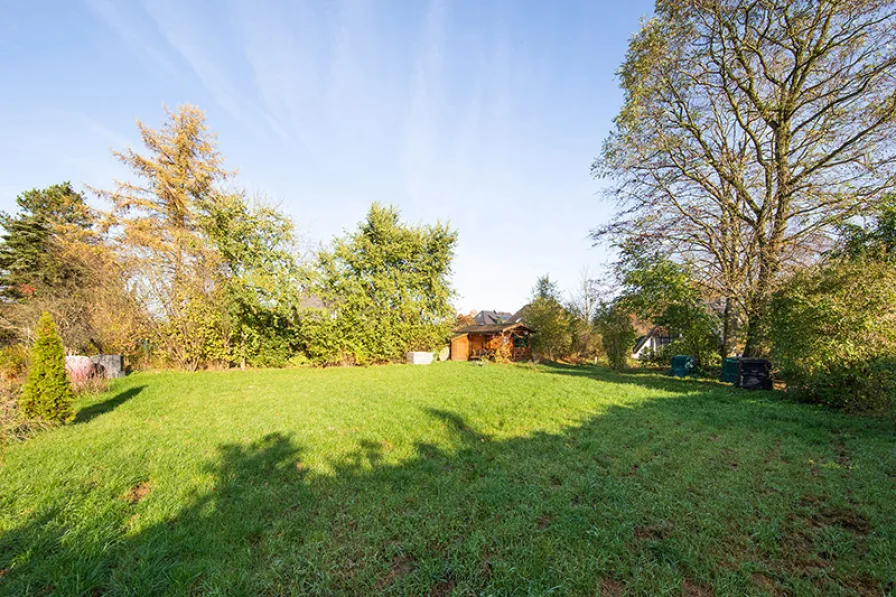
point(449, 479)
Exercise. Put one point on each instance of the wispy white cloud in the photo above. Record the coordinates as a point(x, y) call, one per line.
point(182, 31)
point(151, 58)
point(115, 139)
point(421, 126)
point(283, 51)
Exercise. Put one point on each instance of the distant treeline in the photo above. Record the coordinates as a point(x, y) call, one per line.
point(181, 268)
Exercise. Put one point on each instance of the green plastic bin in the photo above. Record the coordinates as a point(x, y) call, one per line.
point(731, 370)
point(683, 365)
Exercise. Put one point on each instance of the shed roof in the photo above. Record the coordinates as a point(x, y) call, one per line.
point(490, 329)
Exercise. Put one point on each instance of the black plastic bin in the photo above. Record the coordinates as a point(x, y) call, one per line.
point(755, 374)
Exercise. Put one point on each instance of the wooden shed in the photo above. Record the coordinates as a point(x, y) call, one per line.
point(481, 341)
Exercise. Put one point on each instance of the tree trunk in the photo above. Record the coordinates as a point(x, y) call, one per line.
point(243, 350)
point(757, 310)
point(771, 248)
point(727, 329)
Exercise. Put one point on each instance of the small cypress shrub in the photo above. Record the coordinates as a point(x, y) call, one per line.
point(47, 394)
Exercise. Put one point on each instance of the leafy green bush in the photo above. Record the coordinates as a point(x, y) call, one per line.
point(661, 357)
point(47, 394)
point(834, 335)
point(617, 334)
point(13, 362)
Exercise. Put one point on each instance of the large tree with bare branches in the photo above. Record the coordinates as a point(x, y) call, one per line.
point(750, 129)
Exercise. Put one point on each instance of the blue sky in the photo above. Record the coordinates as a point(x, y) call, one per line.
point(486, 114)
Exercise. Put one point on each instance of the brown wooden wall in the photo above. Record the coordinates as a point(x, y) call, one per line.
point(477, 344)
point(460, 348)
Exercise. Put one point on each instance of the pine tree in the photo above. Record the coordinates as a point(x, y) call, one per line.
point(47, 394)
point(30, 259)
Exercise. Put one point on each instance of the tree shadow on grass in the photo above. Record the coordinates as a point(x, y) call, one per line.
point(89, 413)
point(666, 496)
point(649, 378)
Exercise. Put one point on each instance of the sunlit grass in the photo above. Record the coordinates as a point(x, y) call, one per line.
point(452, 478)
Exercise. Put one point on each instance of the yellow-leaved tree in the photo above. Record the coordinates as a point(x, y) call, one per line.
point(155, 224)
point(215, 273)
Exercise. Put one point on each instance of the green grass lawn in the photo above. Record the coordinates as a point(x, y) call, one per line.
point(449, 479)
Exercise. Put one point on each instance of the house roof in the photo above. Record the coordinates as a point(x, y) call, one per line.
point(490, 329)
point(492, 317)
point(519, 316)
point(654, 331)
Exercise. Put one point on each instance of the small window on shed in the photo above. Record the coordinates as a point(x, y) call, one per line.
point(521, 341)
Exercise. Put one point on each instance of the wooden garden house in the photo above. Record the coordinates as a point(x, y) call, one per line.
point(482, 341)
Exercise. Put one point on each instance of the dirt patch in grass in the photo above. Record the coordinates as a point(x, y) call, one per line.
point(654, 532)
point(611, 588)
point(865, 586)
point(442, 588)
point(137, 492)
point(543, 521)
point(799, 556)
point(761, 580)
point(824, 515)
point(485, 571)
point(798, 552)
point(690, 589)
point(401, 565)
point(845, 518)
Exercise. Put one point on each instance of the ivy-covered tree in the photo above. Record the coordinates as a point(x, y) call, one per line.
point(384, 290)
point(47, 394)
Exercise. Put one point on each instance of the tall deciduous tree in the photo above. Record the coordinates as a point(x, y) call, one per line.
point(213, 271)
point(750, 129)
point(259, 275)
point(157, 219)
point(386, 290)
point(549, 320)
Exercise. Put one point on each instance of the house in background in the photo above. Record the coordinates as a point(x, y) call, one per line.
point(652, 342)
point(481, 340)
point(492, 317)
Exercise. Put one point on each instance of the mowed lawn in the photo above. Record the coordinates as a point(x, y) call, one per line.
point(449, 479)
